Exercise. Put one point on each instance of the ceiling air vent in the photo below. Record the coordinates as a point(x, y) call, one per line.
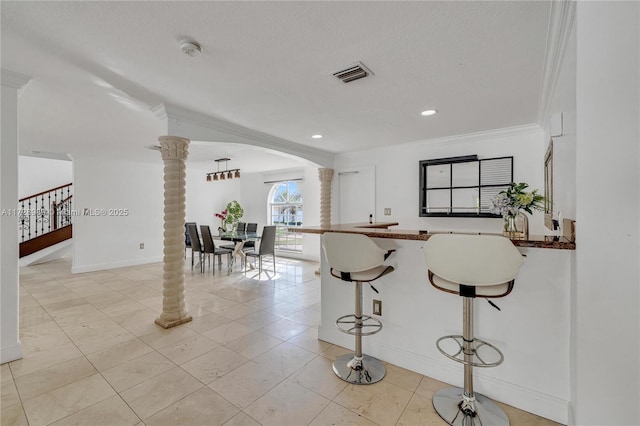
point(352, 72)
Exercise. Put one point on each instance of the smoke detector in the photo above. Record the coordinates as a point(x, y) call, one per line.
point(190, 47)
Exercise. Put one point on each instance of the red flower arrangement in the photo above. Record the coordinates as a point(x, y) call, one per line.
point(222, 216)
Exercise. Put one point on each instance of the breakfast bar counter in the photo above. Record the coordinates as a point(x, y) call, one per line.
point(381, 230)
point(531, 328)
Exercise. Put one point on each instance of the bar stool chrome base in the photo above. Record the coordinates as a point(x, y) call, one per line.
point(458, 410)
point(364, 371)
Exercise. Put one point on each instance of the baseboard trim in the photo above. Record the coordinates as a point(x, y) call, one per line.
point(11, 353)
point(571, 415)
point(114, 265)
point(516, 395)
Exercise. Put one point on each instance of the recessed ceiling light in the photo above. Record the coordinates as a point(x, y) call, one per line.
point(429, 112)
point(316, 136)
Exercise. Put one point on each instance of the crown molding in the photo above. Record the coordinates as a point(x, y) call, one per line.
point(13, 79)
point(560, 23)
point(159, 111)
point(239, 134)
point(477, 136)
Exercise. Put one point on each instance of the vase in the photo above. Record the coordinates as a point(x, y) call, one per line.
point(516, 226)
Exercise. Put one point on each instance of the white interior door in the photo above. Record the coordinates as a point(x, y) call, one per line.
point(357, 194)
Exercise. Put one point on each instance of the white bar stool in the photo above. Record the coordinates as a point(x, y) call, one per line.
point(356, 258)
point(470, 266)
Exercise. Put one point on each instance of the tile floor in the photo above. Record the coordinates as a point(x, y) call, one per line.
point(93, 355)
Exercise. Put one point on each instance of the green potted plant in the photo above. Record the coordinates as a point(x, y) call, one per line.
point(234, 214)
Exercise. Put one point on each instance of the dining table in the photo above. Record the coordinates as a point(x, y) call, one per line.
point(239, 239)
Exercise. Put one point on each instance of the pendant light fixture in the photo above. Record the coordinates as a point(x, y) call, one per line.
point(227, 173)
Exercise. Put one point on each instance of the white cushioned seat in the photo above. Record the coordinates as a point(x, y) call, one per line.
point(499, 290)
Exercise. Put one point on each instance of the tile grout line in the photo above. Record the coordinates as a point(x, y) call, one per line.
point(89, 361)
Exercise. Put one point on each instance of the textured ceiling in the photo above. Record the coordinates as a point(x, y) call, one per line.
point(99, 66)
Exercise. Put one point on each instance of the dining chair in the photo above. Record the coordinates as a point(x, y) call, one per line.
point(187, 237)
point(211, 250)
point(195, 243)
point(241, 227)
point(267, 246)
point(250, 245)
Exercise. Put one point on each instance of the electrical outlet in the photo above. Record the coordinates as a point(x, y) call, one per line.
point(377, 307)
point(141, 246)
point(387, 211)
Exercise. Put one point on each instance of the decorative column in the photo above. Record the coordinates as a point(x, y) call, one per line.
point(325, 176)
point(174, 154)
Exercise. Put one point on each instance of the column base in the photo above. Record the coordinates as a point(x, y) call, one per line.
point(168, 324)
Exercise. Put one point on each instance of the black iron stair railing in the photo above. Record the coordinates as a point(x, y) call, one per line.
point(45, 212)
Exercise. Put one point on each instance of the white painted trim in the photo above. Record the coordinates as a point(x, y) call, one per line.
point(560, 23)
point(114, 265)
point(159, 111)
point(11, 353)
point(571, 415)
point(13, 79)
point(55, 251)
point(226, 131)
point(475, 137)
point(512, 394)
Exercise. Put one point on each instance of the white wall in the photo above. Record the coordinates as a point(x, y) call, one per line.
point(111, 241)
point(255, 194)
point(103, 242)
point(397, 175)
point(205, 199)
point(607, 200)
point(40, 174)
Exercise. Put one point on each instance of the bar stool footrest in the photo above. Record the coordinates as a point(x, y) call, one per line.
point(347, 324)
point(476, 346)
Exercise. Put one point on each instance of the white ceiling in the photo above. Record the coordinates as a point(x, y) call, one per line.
point(99, 66)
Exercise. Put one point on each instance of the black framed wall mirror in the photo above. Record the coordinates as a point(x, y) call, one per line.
point(462, 186)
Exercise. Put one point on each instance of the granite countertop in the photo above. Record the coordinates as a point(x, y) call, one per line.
point(380, 230)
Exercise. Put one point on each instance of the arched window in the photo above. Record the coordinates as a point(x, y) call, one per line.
point(285, 206)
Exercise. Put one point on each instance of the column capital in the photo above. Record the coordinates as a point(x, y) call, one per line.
point(325, 174)
point(174, 147)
